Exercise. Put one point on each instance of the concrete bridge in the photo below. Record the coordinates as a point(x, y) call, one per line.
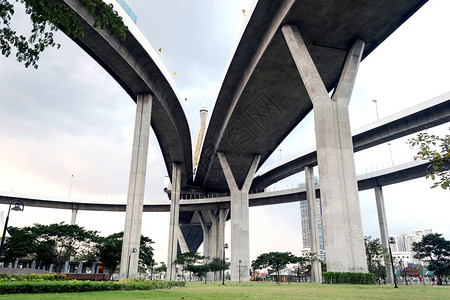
point(290, 56)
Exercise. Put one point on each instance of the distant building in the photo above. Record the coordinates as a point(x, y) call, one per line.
point(304, 215)
point(402, 249)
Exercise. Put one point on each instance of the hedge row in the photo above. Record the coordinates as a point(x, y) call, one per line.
point(347, 277)
point(31, 287)
point(32, 277)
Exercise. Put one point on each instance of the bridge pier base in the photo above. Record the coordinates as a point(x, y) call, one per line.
point(384, 232)
point(135, 200)
point(342, 226)
point(240, 253)
point(316, 270)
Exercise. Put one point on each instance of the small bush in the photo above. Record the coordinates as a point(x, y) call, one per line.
point(348, 277)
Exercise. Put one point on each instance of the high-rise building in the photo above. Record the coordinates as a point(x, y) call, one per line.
point(304, 214)
point(402, 249)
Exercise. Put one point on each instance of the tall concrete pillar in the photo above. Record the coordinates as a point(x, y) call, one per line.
point(135, 200)
point(174, 222)
point(341, 215)
point(214, 233)
point(65, 269)
point(73, 219)
point(384, 232)
point(313, 226)
point(240, 253)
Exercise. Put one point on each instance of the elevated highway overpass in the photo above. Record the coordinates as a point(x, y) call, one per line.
point(425, 115)
point(384, 177)
point(290, 56)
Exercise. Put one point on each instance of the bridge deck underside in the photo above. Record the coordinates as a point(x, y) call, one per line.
point(262, 98)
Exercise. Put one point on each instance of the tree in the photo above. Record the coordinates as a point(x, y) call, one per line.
point(66, 241)
point(436, 150)
point(274, 260)
point(188, 261)
point(304, 263)
point(109, 250)
point(161, 268)
point(217, 264)
point(146, 260)
point(46, 16)
point(374, 256)
point(436, 249)
point(50, 244)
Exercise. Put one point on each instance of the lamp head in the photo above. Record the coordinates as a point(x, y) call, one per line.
point(18, 206)
point(225, 246)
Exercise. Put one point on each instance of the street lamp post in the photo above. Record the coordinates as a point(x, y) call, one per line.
point(206, 267)
point(18, 206)
point(239, 271)
point(392, 241)
point(223, 270)
point(133, 250)
point(376, 107)
point(390, 151)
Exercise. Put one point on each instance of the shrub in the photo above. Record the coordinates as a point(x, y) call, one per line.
point(32, 277)
point(69, 286)
point(347, 277)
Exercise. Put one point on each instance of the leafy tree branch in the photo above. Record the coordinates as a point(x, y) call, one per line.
point(45, 17)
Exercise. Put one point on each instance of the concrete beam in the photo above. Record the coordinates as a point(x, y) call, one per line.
point(136, 188)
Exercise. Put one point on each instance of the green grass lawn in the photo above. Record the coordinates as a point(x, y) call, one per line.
point(215, 291)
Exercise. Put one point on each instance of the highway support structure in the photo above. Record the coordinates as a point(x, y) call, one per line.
point(240, 251)
point(213, 235)
point(316, 267)
point(136, 187)
point(384, 232)
point(342, 226)
point(175, 235)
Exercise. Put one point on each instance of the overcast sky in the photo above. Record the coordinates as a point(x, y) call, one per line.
point(70, 117)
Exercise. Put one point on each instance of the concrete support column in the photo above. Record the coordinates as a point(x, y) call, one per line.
point(207, 240)
point(135, 200)
point(222, 217)
point(214, 232)
point(174, 222)
point(223, 214)
point(384, 232)
point(313, 214)
point(80, 267)
point(341, 215)
point(206, 234)
point(65, 269)
point(73, 219)
point(239, 219)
